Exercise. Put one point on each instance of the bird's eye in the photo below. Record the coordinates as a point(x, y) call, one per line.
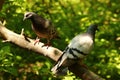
point(27, 15)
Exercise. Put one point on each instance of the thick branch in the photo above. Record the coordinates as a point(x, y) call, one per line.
point(51, 52)
point(20, 40)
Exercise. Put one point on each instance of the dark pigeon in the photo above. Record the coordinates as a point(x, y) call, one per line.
point(42, 27)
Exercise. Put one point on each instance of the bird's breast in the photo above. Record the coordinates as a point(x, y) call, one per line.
point(86, 44)
point(42, 33)
point(83, 43)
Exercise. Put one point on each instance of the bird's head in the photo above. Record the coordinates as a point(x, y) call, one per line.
point(28, 15)
point(93, 27)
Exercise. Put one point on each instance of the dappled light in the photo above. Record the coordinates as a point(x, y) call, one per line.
point(70, 17)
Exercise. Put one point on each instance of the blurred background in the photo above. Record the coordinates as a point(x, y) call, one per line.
point(70, 17)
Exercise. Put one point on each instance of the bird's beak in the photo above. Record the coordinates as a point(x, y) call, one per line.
point(24, 18)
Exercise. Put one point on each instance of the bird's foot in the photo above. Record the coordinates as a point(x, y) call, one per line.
point(37, 41)
point(47, 45)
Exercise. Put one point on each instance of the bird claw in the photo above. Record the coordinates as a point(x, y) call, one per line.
point(47, 45)
point(37, 41)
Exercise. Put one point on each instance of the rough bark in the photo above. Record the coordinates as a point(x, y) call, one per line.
point(51, 52)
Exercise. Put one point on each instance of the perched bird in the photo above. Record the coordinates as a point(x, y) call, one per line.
point(42, 27)
point(79, 47)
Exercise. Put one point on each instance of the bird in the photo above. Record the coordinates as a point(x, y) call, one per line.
point(42, 27)
point(78, 48)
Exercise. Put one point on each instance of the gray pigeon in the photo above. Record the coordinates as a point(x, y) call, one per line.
point(79, 47)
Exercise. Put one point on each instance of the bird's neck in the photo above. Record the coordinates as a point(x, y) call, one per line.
point(34, 22)
point(38, 20)
point(34, 18)
point(91, 33)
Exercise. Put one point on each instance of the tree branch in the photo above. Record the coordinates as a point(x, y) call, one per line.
point(1, 3)
point(51, 52)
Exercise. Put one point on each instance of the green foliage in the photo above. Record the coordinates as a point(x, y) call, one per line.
point(70, 17)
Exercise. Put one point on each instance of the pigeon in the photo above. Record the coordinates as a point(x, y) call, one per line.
point(42, 27)
point(79, 47)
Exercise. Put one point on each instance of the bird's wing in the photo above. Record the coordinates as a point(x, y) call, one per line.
point(82, 42)
point(47, 23)
point(60, 67)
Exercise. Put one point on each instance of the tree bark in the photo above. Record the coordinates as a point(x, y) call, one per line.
point(1, 3)
point(51, 52)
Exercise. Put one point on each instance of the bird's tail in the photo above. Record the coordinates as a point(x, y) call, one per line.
point(60, 68)
point(59, 72)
